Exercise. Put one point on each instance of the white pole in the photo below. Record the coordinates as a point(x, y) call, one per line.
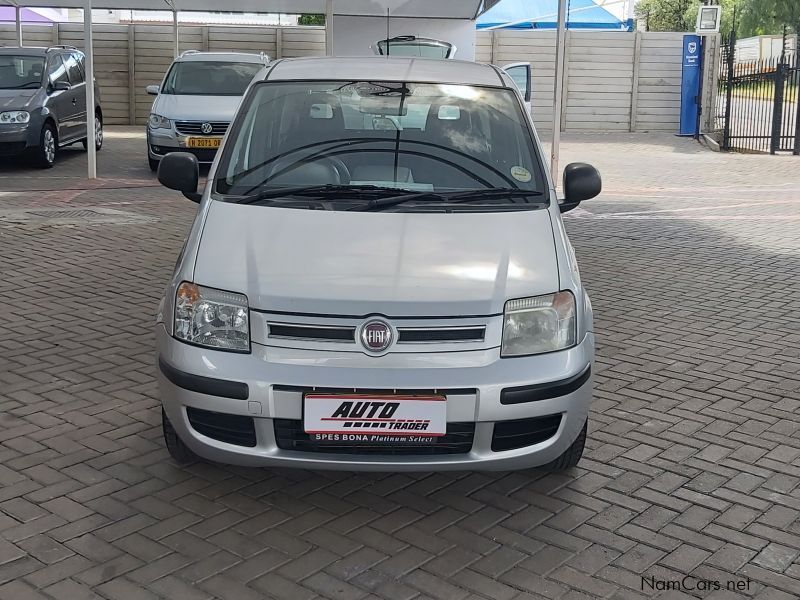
point(18, 12)
point(89, 51)
point(175, 32)
point(329, 27)
point(561, 37)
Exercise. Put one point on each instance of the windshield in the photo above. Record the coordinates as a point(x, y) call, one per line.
point(417, 137)
point(210, 78)
point(21, 72)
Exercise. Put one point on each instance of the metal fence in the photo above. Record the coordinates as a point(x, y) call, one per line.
point(758, 104)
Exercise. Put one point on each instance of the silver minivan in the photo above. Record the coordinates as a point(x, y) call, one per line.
point(196, 102)
point(377, 278)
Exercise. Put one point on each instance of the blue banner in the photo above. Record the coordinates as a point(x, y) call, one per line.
point(690, 84)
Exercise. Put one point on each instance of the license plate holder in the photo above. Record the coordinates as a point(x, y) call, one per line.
point(374, 418)
point(199, 142)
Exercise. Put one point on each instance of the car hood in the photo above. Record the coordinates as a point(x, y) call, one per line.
point(197, 108)
point(395, 264)
point(15, 99)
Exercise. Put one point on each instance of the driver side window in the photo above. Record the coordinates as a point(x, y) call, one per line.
point(56, 70)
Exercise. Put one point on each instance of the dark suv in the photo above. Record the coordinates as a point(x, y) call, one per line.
point(43, 102)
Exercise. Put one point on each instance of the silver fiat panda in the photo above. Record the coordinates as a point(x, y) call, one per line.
point(377, 278)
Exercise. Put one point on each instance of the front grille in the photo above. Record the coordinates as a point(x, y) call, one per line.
point(196, 127)
point(425, 335)
point(289, 435)
point(298, 389)
point(405, 335)
point(203, 154)
point(231, 429)
point(329, 333)
point(519, 433)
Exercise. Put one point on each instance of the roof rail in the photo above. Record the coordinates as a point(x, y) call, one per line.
point(62, 47)
point(188, 52)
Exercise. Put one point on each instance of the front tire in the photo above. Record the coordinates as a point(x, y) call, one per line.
point(571, 455)
point(44, 155)
point(98, 134)
point(153, 164)
point(175, 446)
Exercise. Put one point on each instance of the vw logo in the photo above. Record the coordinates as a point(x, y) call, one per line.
point(206, 128)
point(376, 336)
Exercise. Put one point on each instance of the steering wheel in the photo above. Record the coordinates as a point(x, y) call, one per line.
point(324, 168)
point(340, 168)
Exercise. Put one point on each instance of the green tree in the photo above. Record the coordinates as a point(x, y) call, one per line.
point(767, 17)
point(311, 20)
point(753, 17)
point(665, 15)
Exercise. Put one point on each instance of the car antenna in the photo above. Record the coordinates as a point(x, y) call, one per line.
point(388, 34)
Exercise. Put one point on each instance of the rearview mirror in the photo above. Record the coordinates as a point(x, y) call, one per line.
point(152, 90)
point(384, 106)
point(59, 86)
point(581, 182)
point(180, 171)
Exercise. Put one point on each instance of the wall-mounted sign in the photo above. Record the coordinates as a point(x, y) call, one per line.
point(690, 83)
point(708, 18)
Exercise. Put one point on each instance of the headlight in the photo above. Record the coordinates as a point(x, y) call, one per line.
point(159, 122)
point(540, 324)
point(212, 318)
point(15, 116)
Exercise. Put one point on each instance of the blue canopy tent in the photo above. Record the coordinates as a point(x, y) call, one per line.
point(543, 14)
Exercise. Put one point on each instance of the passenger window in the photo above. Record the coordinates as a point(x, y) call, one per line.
point(57, 71)
point(75, 74)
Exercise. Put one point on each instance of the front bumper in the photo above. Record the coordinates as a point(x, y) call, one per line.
point(16, 138)
point(268, 385)
point(161, 142)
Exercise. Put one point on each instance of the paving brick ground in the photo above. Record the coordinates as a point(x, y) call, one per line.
point(693, 460)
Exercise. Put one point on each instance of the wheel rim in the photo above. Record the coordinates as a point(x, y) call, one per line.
point(49, 146)
point(98, 132)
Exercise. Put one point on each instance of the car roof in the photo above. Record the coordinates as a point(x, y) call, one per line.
point(383, 68)
point(37, 50)
point(25, 50)
point(221, 57)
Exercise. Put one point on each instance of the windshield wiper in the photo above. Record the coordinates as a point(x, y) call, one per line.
point(448, 197)
point(380, 198)
point(328, 192)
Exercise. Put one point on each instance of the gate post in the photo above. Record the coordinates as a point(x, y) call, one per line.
point(796, 147)
point(726, 132)
point(777, 109)
point(711, 71)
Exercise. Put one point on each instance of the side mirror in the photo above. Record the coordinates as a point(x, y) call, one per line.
point(153, 90)
point(59, 86)
point(581, 182)
point(180, 171)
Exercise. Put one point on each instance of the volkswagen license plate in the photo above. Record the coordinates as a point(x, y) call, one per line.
point(356, 418)
point(203, 142)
